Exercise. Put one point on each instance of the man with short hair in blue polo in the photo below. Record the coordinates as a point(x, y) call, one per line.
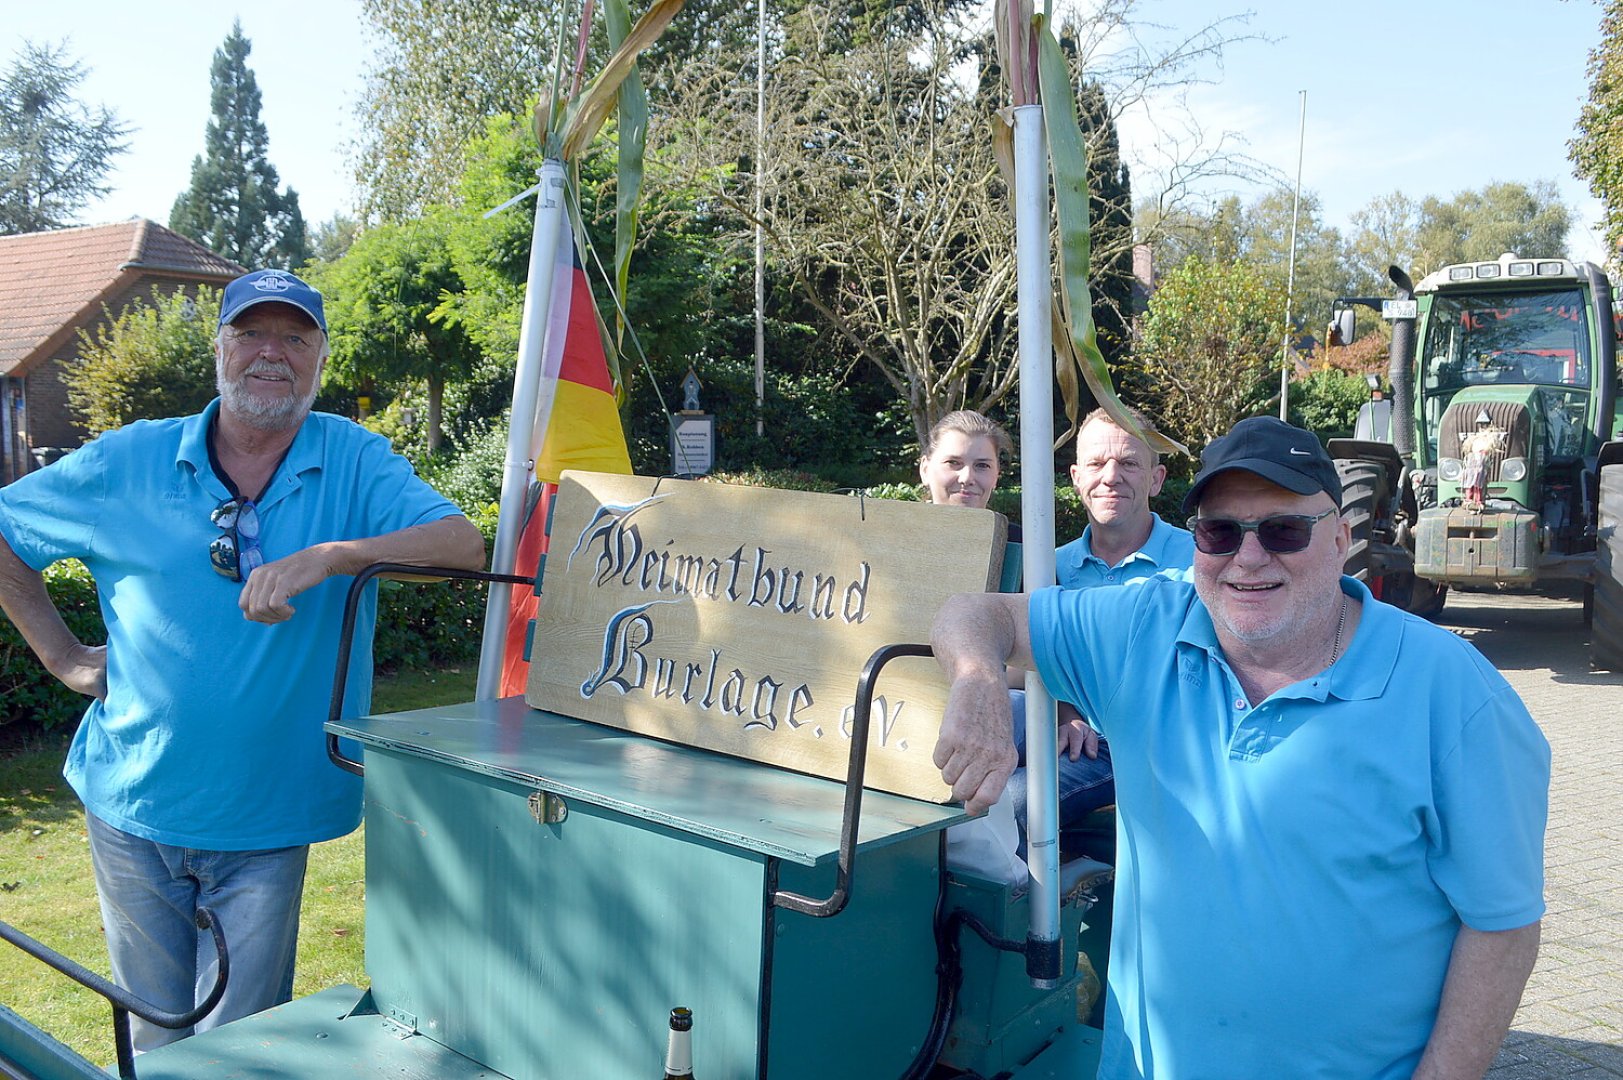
point(1116, 475)
point(220, 544)
point(1332, 813)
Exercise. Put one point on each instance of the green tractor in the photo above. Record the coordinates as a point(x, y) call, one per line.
point(1498, 460)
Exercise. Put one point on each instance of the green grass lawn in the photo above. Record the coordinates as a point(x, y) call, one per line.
point(46, 889)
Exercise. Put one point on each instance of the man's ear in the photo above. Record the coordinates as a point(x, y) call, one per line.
point(1158, 476)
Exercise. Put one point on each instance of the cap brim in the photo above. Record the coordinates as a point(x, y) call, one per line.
point(1269, 470)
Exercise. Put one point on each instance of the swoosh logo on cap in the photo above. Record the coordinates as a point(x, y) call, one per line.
point(1302, 453)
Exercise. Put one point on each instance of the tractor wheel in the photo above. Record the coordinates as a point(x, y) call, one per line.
point(1367, 499)
point(1363, 484)
point(1606, 630)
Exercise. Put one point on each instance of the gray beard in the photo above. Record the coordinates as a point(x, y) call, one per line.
point(257, 412)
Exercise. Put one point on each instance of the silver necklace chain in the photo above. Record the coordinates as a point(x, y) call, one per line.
point(1341, 627)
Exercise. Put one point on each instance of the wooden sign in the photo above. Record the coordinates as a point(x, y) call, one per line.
point(737, 619)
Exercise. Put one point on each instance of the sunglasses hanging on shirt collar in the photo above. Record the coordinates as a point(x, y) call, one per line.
point(235, 552)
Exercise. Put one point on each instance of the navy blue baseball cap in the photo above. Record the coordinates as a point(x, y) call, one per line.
point(1274, 450)
point(270, 286)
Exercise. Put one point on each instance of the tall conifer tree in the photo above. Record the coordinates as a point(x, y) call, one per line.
point(55, 151)
point(234, 205)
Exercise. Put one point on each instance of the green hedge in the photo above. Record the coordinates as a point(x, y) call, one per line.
point(29, 695)
point(420, 625)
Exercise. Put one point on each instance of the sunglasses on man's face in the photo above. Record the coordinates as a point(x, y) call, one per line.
point(235, 552)
point(1281, 534)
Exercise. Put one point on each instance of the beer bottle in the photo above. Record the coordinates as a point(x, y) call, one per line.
point(679, 1051)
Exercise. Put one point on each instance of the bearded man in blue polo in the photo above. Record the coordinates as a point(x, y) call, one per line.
point(1331, 812)
point(220, 544)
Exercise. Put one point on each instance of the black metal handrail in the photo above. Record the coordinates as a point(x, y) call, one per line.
point(346, 635)
point(123, 1002)
point(852, 814)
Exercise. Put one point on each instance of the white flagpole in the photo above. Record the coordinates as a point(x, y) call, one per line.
point(522, 437)
point(1034, 299)
point(1285, 364)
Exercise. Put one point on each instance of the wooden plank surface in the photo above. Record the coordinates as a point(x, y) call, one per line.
point(738, 619)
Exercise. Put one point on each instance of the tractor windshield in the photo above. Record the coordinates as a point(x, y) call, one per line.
point(1523, 339)
point(1530, 338)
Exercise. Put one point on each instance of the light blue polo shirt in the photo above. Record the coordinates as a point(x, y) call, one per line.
point(211, 733)
point(1168, 547)
point(1291, 877)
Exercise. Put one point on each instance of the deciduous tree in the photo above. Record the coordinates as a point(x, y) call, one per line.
point(1597, 151)
point(1528, 219)
point(1209, 346)
point(1472, 225)
point(383, 318)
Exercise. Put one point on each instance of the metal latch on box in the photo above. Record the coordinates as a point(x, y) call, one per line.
point(547, 808)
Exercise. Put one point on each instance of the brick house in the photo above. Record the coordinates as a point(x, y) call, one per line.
point(54, 284)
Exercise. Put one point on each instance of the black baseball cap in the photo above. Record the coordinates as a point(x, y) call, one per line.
point(1274, 450)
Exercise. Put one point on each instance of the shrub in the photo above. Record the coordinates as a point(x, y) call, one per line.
point(1327, 402)
point(154, 360)
point(28, 693)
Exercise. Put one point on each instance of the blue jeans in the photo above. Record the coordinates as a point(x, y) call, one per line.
point(1084, 784)
point(149, 896)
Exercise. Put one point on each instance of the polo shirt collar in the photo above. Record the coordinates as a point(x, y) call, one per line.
point(1154, 548)
point(1367, 661)
point(304, 455)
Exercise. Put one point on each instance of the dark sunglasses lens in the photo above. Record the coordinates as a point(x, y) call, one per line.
point(1283, 535)
point(1218, 536)
point(225, 515)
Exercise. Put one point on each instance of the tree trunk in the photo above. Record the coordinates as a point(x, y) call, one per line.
point(436, 398)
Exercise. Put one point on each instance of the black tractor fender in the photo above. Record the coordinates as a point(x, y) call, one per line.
point(1381, 453)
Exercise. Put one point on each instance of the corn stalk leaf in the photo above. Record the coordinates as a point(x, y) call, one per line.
point(633, 131)
point(1068, 161)
point(1016, 49)
point(587, 113)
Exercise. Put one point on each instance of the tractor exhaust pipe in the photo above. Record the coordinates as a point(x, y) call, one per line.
point(1401, 370)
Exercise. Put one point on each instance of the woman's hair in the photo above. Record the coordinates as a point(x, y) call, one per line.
point(972, 425)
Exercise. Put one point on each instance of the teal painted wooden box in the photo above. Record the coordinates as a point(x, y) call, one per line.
point(555, 949)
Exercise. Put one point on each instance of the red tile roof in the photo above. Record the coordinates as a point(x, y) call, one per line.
point(53, 282)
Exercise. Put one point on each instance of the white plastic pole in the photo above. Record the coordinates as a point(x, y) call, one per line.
point(1034, 297)
point(760, 214)
point(1290, 277)
point(521, 434)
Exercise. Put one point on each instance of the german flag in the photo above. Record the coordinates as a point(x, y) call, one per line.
point(577, 426)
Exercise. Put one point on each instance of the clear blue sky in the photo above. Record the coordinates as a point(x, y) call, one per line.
point(1428, 96)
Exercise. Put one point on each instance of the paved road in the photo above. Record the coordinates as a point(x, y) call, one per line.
point(1571, 1018)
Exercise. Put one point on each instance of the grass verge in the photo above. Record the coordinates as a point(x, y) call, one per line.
point(46, 888)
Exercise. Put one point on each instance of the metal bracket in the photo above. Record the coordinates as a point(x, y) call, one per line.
point(402, 1024)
